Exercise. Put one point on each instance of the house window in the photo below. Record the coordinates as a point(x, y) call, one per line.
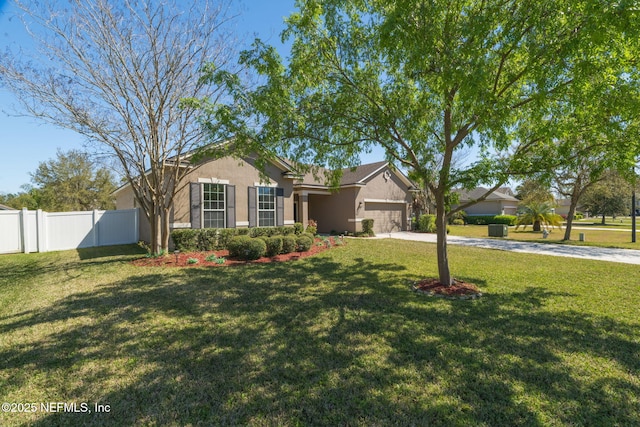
point(214, 206)
point(266, 207)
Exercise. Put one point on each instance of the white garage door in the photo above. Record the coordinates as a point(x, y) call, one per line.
point(387, 217)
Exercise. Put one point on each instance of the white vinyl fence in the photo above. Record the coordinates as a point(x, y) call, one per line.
point(37, 231)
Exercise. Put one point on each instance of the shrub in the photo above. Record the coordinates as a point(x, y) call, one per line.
point(258, 231)
point(312, 227)
point(287, 230)
point(303, 243)
point(245, 247)
point(224, 236)
point(185, 239)
point(492, 219)
point(274, 245)
point(207, 239)
point(236, 244)
point(578, 215)
point(298, 228)
point(427, 223)
point(505, 219)
point(242, 231)
point(256, 248)
point(288, 244)
point(211, 258)
point(367, 227)
point(460, 215)
point(192, 261)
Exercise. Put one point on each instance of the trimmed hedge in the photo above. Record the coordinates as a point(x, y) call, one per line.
point(274, 245)
point(269, 241)
point(303, 243)
point(288, 243)
point(245, 247)
point(367, 227)
point(214, 239)
point(185, 239)
point(491, 219)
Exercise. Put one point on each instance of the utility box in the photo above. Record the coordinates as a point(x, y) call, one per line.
point(498, 230)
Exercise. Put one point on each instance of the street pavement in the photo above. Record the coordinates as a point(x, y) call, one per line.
point(627, 256)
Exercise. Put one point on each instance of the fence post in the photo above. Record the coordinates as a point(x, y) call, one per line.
point(136, 217)
point(96, 237)
point(41, 233)
point(24, 225)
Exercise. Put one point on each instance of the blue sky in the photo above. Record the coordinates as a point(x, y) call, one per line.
point(26, 142)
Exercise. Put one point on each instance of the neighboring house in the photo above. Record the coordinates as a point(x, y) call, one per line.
point(496, 203)
point(6, 208)
point(228, 193)
point(562, 207)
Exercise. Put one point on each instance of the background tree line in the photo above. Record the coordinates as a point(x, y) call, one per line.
point(70, 182)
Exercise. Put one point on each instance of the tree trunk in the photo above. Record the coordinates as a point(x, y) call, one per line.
point(603, 219)
point(154, 246)
point(166, 230)
point(575, 196)
point(444, 276)
point(536, 226)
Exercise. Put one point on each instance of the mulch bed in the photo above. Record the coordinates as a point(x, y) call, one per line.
point(182, 259)
point(458, 290)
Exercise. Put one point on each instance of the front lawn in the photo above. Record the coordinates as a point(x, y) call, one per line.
point(335, 339)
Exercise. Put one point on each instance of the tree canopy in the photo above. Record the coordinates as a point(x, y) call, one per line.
point(72, 182)
point(427, 81)
point(610, 196)
point(117, 73)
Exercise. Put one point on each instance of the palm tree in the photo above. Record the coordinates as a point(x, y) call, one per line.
point(538, 214)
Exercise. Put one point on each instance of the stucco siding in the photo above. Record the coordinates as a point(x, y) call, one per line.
point(492, 208)
point(384, 199)
point(240, 173)
point(332, 212)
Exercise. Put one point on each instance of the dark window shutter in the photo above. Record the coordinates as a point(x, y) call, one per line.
point(196, 218)
point(279, 207)
point(253, 208)
point(231, 206)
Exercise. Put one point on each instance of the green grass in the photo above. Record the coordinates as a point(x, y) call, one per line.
point(335, 339)
point(602, 238)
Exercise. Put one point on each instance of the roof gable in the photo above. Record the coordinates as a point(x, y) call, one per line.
point(478, 192)
point(359, 175)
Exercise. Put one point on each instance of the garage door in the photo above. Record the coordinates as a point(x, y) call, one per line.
point(387, 217)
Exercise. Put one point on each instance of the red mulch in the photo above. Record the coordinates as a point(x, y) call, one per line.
point(182, 258)
point(458, 289)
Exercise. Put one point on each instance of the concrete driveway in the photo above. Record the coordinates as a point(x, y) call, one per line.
point(627, 256)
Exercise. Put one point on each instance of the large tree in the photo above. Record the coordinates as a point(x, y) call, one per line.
point(73, 182)
point(116, 72)
point(427, 80)
point(28, 198)
point(573, 180)
point(610, 196)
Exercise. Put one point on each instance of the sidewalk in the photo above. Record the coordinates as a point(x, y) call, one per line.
point(627, 256)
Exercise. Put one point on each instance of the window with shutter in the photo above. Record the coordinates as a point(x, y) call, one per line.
point(266, 207)
point(213, 206)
